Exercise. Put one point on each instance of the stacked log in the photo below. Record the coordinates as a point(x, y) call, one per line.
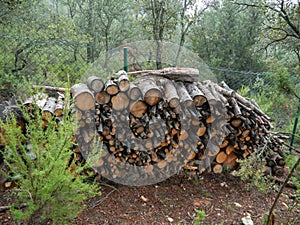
point(168, 115)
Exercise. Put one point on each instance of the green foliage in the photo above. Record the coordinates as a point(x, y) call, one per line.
point(37, 160)
point(283, 81)
point(253, 168)
point(274, 93)
point(244, 91)
point(291, 160)
point(200, 217)
point(226, 36)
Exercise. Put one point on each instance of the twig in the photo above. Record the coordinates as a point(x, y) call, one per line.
point(281, 189)
point(281, 135)
point(6, 208)
point(102, 199)
point(108, 185)
point(291, 147)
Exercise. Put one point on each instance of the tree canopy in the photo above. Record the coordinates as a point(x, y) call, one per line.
point(57, 38)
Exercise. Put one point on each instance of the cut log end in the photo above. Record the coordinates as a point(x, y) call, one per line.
point(152, 97)
point(83, 97)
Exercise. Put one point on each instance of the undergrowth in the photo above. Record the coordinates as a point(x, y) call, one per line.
point(37, 162)
point(253, 169)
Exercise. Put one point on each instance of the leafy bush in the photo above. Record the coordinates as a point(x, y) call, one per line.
point(38, 165)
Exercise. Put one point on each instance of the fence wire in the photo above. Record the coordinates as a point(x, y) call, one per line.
point(46, 61)
point(52, 62)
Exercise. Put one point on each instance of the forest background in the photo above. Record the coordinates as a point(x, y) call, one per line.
point(252, 45)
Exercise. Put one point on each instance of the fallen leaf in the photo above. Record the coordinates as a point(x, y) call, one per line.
point(144, 199)
point(200, 203)
point(237, 204)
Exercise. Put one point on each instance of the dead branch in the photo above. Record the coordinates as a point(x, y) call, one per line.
point(281, 188)
point(49, 88)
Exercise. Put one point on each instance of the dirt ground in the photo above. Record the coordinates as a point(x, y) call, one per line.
point(224, 198)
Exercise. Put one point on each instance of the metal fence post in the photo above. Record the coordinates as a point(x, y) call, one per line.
point(126, 59)
point(295, 125)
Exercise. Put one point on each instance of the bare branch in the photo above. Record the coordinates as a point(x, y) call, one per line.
point(289, 28)
point(277, 40)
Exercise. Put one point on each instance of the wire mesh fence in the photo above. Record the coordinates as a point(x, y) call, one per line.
point(40, 61)
point(55, 62)
point(35, 59)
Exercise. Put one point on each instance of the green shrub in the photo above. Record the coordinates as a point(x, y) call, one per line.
point(253, 168)
point(50, 190)
point(200, 217)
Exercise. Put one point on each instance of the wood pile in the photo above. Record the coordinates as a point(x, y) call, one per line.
point(163, 120)
point(167, 117)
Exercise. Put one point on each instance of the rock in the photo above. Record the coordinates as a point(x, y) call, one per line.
point(247, 220)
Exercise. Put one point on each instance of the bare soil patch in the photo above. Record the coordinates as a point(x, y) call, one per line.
point(224, 198)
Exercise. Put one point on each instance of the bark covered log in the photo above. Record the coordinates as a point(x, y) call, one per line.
point(197, 95)
point(111, 87)
point(184, 96)
point(59, 107)
point(123, 80)
point(95, 84)
point(171, 93)
point(177, 74)
point(151, 92)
